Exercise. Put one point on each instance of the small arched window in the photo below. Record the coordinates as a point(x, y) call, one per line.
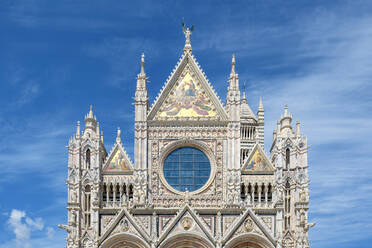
point(287, 206)
point(86, 206)
point(87, 159)
point(287, 158)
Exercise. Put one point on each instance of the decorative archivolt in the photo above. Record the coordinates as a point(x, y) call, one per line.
point(187, 240)
point(249, 240)
point(124, 240)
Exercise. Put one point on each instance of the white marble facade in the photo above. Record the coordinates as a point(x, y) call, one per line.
point(249, 199)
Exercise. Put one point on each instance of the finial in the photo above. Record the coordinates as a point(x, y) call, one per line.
point(90, 115)
point(97, 130)
point(285, 110)
point(233, 64)
point(278, 127)
point(102, 137)
point(298, 132)
point(143, 64)
point(78, 130)
point(244, 98)
point(118, 138)
point(187, 32)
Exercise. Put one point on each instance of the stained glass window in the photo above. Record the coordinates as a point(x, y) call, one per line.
point(186, 168)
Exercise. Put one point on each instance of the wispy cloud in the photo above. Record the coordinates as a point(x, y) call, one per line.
point(22, 226)
point(329, 96)
point(29, 232)
point(29, 92)
point(122, 55)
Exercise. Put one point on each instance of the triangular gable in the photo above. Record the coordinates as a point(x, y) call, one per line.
point(144, 221)
point(249, 223)
point(124, 222)
point(209, 221)
point(228, 220)
point(164, 222)
point(86, 240)
point(257, 162)
point(288, 240)
point(186, 220)
point(187, 95)
point(118, 162)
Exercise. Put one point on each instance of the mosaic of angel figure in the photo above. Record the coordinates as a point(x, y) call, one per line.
point(117, 163)
point(257, 162)
point(186, 96)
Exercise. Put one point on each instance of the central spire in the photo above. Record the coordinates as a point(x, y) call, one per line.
point(187, 32)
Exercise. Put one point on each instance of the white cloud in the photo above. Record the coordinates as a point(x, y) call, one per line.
point(331, 97)
point(37, 223)
point(31, 232)
point(22, 227)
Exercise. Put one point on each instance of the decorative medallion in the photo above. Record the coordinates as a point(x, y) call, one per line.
point(248, 225)
point(186, 223)
point(124, 225)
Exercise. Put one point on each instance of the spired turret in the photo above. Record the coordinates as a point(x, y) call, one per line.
point(289, 153)
point(86, 155)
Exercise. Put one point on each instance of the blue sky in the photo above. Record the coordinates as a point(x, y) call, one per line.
point(58, 57)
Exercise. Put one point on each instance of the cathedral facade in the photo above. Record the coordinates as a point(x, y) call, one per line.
point(200, 177)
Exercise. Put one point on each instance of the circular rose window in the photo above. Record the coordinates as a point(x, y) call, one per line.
point(186, 168)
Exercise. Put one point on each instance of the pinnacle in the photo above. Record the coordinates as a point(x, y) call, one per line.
point(233, 64)
point(118, 137)
point(90, 112)
point(260, 106)
point(244, 98)
point(142, 64)
point(286, 113)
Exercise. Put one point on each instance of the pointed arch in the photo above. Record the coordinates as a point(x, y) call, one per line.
point(186, 240)
point(87, 205)
point(87, 159)
point(124, 240)
point(287, 158)
point(249, 240)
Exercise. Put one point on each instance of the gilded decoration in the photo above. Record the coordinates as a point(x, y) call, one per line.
point(187, 99)
point(117, 163)
point(258, 162)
